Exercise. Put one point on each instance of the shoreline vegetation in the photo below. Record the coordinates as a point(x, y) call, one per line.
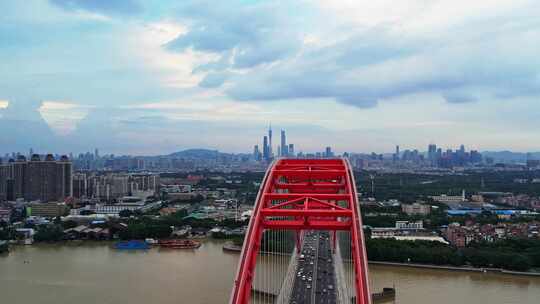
point(230, 247)
point(511, 255)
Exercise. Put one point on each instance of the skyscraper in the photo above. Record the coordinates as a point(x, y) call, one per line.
point(284, 147)
point(256, 153)
point(291, 150)
point(328, 152)
point(270, 154)
point(432, 152)
point(266, 149)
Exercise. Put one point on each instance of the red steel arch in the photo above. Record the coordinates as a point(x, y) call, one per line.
point(304, 194)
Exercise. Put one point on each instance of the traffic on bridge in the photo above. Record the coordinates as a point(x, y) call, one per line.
point(315, 279)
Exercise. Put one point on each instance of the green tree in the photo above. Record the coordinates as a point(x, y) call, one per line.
point(49, 233)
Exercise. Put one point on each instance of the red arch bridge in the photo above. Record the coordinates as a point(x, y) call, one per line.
point(304, 243)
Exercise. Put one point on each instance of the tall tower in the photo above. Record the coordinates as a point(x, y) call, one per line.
point(266, 152)
point(270, 141)
point(284, 147)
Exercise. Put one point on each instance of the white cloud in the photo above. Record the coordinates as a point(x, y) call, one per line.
point(146, 44)
point(418, 16)
point(62, 116)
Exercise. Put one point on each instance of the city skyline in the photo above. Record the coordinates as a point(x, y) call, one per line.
point(159, 76)
point(259, 146)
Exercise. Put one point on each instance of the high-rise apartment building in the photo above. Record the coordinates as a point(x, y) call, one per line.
point(4, 186)
point(38, 179)
point(114, 185)
point(80, 186)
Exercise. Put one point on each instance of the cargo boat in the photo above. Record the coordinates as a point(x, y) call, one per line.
point(179, 244)
point(132, 245)
point(386, 295)
point(232, 247)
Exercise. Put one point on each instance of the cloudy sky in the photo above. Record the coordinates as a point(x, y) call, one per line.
point(156, 76)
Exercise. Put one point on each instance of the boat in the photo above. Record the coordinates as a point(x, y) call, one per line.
point(132, 245)
point(232, 247)
point(386, 295)
point(151, 241)
point(179, 244)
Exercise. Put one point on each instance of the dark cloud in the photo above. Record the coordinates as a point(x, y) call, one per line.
point(107, 7)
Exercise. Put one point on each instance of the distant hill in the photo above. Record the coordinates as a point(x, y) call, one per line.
point(511, 157)
point(197, 153)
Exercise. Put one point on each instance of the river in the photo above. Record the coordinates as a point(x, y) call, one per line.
point(95, 273)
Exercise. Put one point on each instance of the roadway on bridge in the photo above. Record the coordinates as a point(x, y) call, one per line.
point(315, 278)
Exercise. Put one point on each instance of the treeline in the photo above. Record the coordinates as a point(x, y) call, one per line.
point(409, 187)
point(137, 227)
point(148, 227)
point(518, 255)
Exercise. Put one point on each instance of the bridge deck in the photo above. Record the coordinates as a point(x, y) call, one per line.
point(315, 278)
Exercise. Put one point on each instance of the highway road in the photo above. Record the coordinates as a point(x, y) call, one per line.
point(315, 278)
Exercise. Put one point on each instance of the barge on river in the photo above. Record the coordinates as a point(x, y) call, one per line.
point(179, 244)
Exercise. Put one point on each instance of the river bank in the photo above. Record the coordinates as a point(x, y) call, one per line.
point(452, 268)
point(233, 248)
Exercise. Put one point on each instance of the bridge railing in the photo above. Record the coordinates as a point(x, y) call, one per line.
point(342, 292)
